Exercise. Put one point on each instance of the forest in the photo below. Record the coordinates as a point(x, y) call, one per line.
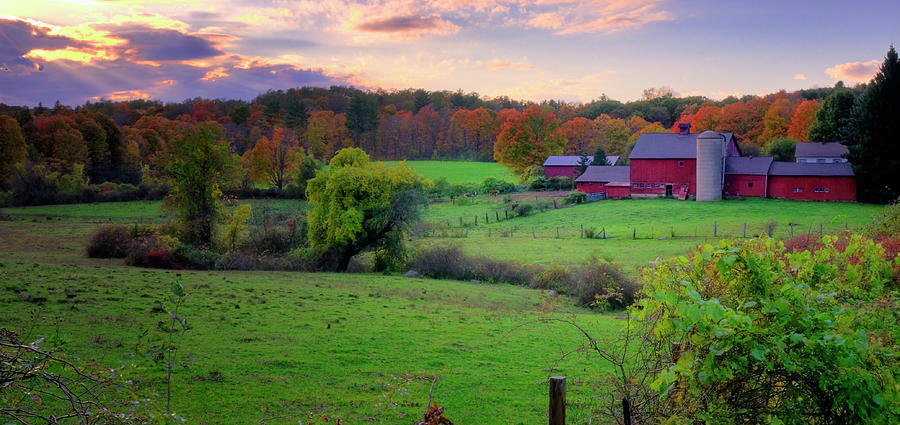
point(109, 146)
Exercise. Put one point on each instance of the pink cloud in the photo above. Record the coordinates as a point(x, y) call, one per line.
point(619, 21)
point(409, 24)
point(500, 65)
point(857, 72)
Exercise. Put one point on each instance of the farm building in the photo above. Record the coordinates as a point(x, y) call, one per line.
point(708, 165)
point(566, 165)
point(747, 176)
point(605, 180)
point(820, 153)
point(815, 181)
point(665, 164)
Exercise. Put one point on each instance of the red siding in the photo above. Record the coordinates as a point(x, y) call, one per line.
point(745, 185)
point(663, 172)
point(839, 188)
point(618, 192)
point(556, 171)
point(590, 187)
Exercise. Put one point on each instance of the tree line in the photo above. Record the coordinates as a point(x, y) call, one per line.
point(129, 141)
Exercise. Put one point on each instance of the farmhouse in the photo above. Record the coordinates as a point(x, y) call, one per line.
point(567, 165)
point(820, 153)
point(606, 181)
point(708, 165)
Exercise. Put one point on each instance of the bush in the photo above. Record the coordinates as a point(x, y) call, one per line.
point(576, 197)
point(602, 284)
point(501, 186)
point(561, 183)
point(889, 222)
point(189, 256)
point(150, 251)
point(540, 183)
point(772, 336)
point(110, 241)
point(524, 210)
point(447, 262)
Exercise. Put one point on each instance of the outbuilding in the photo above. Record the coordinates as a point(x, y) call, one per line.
point(820, 152)
point(812, 181)
point(567, 165)
point(746, 176)
point(610, 181)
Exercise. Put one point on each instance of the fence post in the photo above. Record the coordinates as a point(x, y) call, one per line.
point(476, 220)
point(634, 233)
point(582, 231)
point(532, 233)
point(497, 215)
point(506, 213)
point(791, 225)
point(557, 232)
point(485, 217)
point(554, 204)
point(745, 230)
point(557, 400)
point(460, 221)
point(489, 232)
point(715, 229)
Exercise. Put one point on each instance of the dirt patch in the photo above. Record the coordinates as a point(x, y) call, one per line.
point(548, 195)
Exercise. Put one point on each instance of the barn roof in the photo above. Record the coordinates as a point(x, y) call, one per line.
point(748, 165)
point(810, 169)
point(669, 146)
point(606, 173)
point(572, 160)
point(820, 149)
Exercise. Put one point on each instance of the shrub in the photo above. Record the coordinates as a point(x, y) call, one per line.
point(772, 336)
point(576, 197)
point(590, 231)
point(110, 241)
point(889, 222)
point(561, 183)
point(540, 183)
point(140, 249)
point(524, 210)
point(443, 262)
point(189, 256)
point(501, 186)
point(771, 225)
point(602, 284)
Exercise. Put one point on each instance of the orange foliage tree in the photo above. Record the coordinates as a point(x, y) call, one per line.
point(776, 120)
point(527, 139)
point(272, 160)
point(581, 136)
point(802, 119)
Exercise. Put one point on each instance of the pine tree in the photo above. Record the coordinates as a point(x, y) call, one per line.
point(600, 157)
point(583, 164)
point(875, 149)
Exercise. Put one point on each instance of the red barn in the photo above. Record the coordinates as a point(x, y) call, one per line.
point(747, 176)
point(665, 164)
point(565, 166)
point(812, 181)
point(606, 180)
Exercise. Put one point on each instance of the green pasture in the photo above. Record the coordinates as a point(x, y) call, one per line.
point(460, 171)
point(639, 231)
point(278, 348)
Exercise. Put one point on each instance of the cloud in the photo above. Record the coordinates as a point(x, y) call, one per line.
point(152, 44)
point(619, 21)
point(19, 36)
point(800, 77)
point(503, 65)
point(408, 26)
point(547, 20)
point(856, 72)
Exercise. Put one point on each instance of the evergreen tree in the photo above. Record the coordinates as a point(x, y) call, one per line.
point(422, 99)
point(875, 150)
point(834, 121)
point(362, 116)
point(296, 113)
point(600, 157)
point(582, 166)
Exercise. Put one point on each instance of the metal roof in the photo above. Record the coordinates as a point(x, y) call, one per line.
point(606, 173)
point(748, 165)
point(820, 149)
point(834, 169)
point(669, 146)
point(572, 160)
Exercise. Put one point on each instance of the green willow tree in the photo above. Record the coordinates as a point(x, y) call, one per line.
point(359, 205)
point(195, 170)
point(875, 150)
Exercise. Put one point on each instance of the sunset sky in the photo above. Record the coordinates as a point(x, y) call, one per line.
point(79, 50)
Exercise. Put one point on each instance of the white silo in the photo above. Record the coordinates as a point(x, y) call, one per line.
point(710, 157)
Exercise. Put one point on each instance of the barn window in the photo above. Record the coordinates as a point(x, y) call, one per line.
point(635, 185)
point(798, 190)
point(681, 163)
point(749, 184)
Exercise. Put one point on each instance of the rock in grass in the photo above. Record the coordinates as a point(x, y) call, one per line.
point(411, 273)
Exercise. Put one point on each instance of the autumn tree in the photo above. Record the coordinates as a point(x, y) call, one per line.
point(272, 160)
point(12, 148)
point(60, 144)
point(612, 134)
point(195, 170)
point(874, 150)
point(777, 120)
point(745, 119)
point(527, 139)
point(581, 135)
point(802, 119)
point(358, 205)
point(708, 117)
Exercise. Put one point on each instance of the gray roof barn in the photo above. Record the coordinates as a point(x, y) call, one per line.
point(820, 150)
point(810, 169)
point(748, 165)
point(572, 160)
point(606, 173)
point(671, 146)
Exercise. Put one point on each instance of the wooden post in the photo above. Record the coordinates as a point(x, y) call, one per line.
point(557, 400)
point(460, 221)
point(634, 233)
point(532, 233)
point(497, 214)
point(845, 225)
point(745, 230)
point(554, 204)
point(582, 231)
point(476, 220)
point(557, 232)
point(791, 225)
point(485, 218)
point(626, 411)
point(715, 229)
point(489, 232)
point(506, 213)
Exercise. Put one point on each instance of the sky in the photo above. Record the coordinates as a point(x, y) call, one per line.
point(85, 50)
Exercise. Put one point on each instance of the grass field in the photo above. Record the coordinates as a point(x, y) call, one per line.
point(647, 220)
point(460, 171)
